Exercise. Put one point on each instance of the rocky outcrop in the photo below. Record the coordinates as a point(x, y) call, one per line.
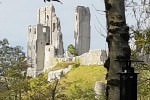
point(56, 75)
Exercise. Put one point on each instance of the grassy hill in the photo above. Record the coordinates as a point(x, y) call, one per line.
point(79, 82)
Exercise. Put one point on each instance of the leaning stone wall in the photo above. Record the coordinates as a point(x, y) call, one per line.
point(82, 29)
point(37, 39)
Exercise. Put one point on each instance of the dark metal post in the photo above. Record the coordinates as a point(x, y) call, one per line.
point(128, 86)
point(128, 82)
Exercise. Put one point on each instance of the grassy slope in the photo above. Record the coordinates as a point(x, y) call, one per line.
point(89, 74)
point(78, 84)
point(81, 80)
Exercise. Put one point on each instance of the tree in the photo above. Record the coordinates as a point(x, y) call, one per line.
point(9, 55)
point(141, 34)
point(13, 71)
point(117, 39)
point(72, 50)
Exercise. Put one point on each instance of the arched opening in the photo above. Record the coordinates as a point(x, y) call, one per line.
point(47, 44)
point(47, 17)
point(53, 27)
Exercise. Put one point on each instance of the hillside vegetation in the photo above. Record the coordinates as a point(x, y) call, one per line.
point(78, 84)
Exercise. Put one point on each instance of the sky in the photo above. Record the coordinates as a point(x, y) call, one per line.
point(17, 15)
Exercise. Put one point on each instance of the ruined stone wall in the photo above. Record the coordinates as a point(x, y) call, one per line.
point(44, 36)
point(46, 16)
point(82, 29)
point(31, 43)
point(37, 39)
point(57, 37)
point(93, 57)
point(40, 46)
point(49, 61)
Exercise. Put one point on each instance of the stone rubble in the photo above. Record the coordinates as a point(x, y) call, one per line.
point(99, 89)
point(56, 75)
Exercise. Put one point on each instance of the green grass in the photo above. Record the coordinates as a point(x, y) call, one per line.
point(89, 74)
point(78, 84)
point(80, 81)
point(61, 65)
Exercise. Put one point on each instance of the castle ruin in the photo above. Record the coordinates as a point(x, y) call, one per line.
point(43, 39)
point(45, 43)
point(82, 29)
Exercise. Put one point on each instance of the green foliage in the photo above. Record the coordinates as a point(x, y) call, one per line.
point(39, 89)
point(102, 96)
point(9, 56)
point(143, 81)
point(76, 85)
point(13, 71)
point(15, 83)
point(76, 63)
point(61, 65)
point(143, 78)
point(143, 40)
point(72, 50)
point(79, 83)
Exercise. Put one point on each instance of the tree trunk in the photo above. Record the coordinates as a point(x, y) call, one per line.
point(117, 38)
point(53, 91)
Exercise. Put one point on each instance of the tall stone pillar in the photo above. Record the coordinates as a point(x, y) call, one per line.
point(82, 29)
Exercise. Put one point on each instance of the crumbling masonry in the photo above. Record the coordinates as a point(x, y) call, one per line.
point(82, 29)
point(45, 43)
point(46, 34)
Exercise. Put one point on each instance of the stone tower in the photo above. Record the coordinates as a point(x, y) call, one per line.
point(82, 29)
point(37, 39)
point(47, 17)
point(44, 40)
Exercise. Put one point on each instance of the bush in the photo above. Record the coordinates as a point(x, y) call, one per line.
point(72, 50)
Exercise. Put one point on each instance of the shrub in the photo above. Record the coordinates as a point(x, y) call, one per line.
point(72, 50)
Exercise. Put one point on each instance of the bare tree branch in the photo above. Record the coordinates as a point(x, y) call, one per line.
point(100, 24)
point(98, 11)
point(99, 31)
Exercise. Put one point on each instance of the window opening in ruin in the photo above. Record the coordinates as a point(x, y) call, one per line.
point(53, 27)
point(29, 30)
point(41, 42)
point(34, 31)
point(44, 29)
point(56, 51)
point(76, 17)
point(49, 49)
point(47, 17)
point(47, 44)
